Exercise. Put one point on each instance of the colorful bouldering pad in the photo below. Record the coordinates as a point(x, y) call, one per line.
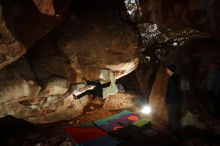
point(117, 121)
point(82, 134)
point(101, 132)
point(90, 136)
point(141, 122)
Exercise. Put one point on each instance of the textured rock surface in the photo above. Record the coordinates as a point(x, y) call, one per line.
point(52, 7)
point(199, 14)
point(17, 82)
point(22, 23)
point(45, 6)
point(118, 101)
point(192, 61)
point(158, 92)
point(22, 97)
point(83, 45)
point(10, 48)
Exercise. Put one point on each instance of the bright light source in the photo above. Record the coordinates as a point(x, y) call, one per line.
point(175, 43)
point(146, 110)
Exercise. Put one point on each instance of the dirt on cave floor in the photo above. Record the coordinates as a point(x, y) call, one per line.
point(16, 132)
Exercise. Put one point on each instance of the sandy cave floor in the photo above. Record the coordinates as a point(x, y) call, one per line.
point(25, 134)
point(53, 134)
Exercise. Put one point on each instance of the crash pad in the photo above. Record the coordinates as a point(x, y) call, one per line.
point(82, 134)
point(117, 121)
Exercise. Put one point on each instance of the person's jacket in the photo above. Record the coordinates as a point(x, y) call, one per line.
point(112, 89)
point(173, 89)
point(217, 83)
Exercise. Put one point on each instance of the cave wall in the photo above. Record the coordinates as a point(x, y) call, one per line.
point(94, 36)
point(192, 60)
point(84, 45)
point(10, 48)
point(24, 22)
point(197, 14)
point(60, 48)
point(192, 52)
point(158, 93)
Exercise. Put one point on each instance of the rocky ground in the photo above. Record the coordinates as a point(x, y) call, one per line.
point(17, 132)
point(50, 134)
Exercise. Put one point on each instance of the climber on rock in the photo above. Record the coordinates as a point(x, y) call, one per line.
point(95, 87)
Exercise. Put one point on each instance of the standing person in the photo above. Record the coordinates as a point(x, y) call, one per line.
point(212, 86)
point(217, 93)
point(173, 98)
point(185, 94)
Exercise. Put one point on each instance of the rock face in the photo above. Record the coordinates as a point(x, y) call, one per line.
point(52, 7)
point(192, 61)
point(14, 86)
point(10, 48)
point(84, 45)
point(33, 87)
point(158, 92)
point(45, 6)
point(22, 23)
point(118, 101)
point(22, 96)
point(199, 14)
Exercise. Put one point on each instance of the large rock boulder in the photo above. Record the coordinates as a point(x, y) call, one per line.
point(24, 22)
point(22, 97)
point(80, 47)
point(10, 48)
point(84, 45)
point(17, 83)
point(119, 101)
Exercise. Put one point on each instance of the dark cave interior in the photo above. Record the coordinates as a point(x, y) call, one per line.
point(46, 46)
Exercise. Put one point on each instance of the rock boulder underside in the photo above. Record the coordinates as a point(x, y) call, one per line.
point(24, 22)
point(32, 88)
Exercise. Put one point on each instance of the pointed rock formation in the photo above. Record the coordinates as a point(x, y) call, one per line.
point(22, 23)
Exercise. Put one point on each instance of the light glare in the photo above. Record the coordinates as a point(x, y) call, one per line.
point(146, 110)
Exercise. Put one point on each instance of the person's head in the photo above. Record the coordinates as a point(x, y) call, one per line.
point(170, 69)
point(120, 88)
